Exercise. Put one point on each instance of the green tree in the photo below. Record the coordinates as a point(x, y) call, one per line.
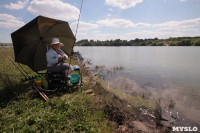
point(186, 42)
point(197, 43)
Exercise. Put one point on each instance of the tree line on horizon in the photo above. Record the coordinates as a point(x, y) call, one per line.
point(172, 41)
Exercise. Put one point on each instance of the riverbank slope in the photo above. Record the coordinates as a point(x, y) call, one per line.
point(97, 108)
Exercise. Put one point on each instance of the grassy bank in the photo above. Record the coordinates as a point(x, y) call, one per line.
point(69, 113)
point(22, 109)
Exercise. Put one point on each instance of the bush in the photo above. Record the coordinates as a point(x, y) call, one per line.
point(197, 43)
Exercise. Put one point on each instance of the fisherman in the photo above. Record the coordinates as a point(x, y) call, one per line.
point(56, 58)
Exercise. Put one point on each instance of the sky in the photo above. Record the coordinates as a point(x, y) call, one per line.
point(107, 19)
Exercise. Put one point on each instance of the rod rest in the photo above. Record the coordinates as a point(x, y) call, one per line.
point(28, 78)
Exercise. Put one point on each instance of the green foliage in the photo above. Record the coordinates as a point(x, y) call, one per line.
point(185, 43)
point(179, 41)
point(197, 43)
point(71, 113)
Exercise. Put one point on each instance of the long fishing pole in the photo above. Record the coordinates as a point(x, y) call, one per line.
point(23, 69)
point(76, 30)
point(20, 67)
point(12, 62)
point(79, 18)
point(41, 93)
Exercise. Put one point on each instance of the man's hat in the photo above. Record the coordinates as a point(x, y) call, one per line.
point(56, 41)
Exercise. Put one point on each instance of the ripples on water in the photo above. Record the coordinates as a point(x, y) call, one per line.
point(169, 74)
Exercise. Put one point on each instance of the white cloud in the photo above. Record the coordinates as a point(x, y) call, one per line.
point(146, 34)
point(97, 31)
point(123, 4)
point(108, 15)
point(178, 25)
point(121, 23)
point(6, 17)
point(142, 25)
point(54, 9)
point(113, 36)
point(9, 21)
point(132, 35)
point(83, 26)
point(117, 23)
point(189, 27)
point(16, 6)
point(99, 36)
point(171, 25)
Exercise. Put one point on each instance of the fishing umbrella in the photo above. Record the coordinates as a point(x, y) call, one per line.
point(32, 41)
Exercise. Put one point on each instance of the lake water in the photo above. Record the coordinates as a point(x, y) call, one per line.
point(169, 74)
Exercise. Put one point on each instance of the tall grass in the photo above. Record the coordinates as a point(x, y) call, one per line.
point(70, 113)
point(23, 110)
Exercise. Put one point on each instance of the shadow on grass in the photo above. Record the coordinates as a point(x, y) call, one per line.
point(10, 90)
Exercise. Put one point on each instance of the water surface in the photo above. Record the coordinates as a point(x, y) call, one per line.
point(169, 74)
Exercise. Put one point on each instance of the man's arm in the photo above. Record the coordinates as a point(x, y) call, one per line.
point(51, 58)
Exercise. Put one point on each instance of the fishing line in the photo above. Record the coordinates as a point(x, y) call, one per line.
point(23, 69)
point(76, 32)
point(12, 62)
point(79, 18)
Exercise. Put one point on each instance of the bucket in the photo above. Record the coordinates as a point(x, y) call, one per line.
point(38, 81)
point(74, 78)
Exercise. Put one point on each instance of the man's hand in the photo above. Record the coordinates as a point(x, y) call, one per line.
point(62, 57)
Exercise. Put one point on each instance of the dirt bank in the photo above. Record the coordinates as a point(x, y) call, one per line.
point(130, 113)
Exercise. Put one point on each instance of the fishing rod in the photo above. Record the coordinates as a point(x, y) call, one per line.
point(23, 69)
point(75, 37)
point(79, 18)
point(26, 75)
point(77, 26)
point(12, 62)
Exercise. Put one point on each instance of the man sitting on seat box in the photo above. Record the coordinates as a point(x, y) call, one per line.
point(56, 58)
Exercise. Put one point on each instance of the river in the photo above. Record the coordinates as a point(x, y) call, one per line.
point(169, 74)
